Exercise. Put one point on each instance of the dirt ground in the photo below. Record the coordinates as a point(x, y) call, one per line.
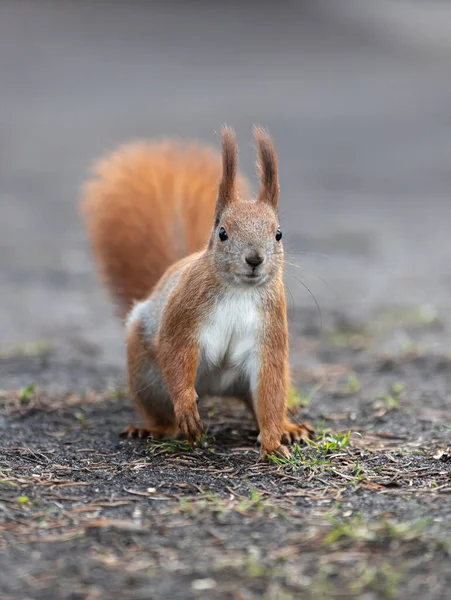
point(359, 106)
point(86, 514)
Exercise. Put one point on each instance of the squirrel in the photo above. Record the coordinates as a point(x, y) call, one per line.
point(194, 266)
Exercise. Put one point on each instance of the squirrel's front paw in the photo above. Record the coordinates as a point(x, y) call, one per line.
point(283, 450)
point(270, 444)
point(191, 426)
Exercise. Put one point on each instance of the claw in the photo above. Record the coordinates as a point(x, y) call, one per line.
point(295, 432)
point(135, 432)
point(191, 426)
point(283, 450)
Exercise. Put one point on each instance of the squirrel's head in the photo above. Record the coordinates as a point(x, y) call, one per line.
point(246, 239)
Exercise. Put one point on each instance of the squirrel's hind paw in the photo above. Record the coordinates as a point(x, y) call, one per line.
point(135, 432)
point(141, 433)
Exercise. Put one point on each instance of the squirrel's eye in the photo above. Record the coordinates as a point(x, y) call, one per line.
point(278, 234)
point(223, 234)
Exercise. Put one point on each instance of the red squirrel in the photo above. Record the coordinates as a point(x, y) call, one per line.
point(195, 266)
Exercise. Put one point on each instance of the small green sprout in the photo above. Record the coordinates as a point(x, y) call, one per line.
point(392, 399)
point(168, 446)
point(26, 393)
point(81, 418)
point(326, 445)
point(353, 384)
point(351, 387)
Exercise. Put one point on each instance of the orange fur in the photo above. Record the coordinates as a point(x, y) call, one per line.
point(149, 205)
point(274, 380)
point(181, 319)
point(139, 356)
point(268, 167)
point(149, 212)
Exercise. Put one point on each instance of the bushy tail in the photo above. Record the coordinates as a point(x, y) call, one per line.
point(149, 205)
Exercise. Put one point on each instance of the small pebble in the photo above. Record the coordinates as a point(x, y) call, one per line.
point(203, 584)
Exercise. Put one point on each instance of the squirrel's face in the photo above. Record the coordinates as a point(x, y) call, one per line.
point(247, 244)
point(246, 239)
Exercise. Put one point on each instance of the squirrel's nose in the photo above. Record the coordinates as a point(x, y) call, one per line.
point(254, 259)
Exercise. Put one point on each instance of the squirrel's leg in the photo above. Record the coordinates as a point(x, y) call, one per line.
point(148, 389)
point(270, 401)
point(292, 432)
point(271, 395)
point(179, 360)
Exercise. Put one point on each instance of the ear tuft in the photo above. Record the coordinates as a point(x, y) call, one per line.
point(229, 155)
point(227, 186)
point(267, 165)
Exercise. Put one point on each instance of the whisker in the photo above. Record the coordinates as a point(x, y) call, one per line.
point(326, 283)
point(314, 299)
point(293, 415)
point(293, 309)
point(308, 253)
point(143, 388)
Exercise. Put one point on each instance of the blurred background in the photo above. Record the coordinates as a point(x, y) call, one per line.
point(357, 95)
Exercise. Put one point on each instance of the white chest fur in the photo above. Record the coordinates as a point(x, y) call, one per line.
point(229, 342)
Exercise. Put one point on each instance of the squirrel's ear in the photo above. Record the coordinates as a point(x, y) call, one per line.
point(267, 165)
point(227, 186)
